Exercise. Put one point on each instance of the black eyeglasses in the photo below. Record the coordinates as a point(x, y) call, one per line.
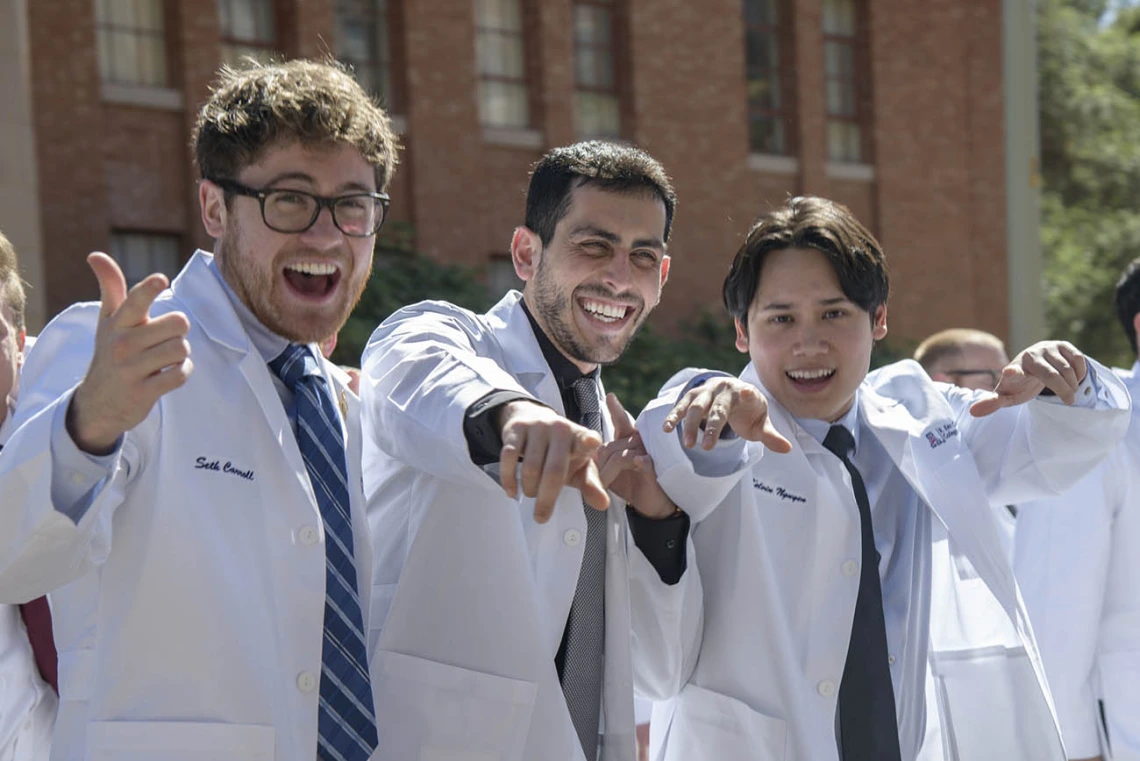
point(359, 215)
point(992, 374)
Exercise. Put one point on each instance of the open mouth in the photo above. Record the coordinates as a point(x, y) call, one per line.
point(810, 380)
point(605, 312)
point(312, 280)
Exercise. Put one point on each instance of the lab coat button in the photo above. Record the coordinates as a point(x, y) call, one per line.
point(891, 659)
point(826, 688)
point(306, 682)
point(76, 477)
point(572, 537)
point(850, 568)
point(309, 535)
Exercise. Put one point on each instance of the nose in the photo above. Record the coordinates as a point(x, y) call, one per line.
point(810, 341)
point(619, 272)
point(324, 235)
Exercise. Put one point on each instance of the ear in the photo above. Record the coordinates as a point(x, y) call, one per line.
point(21, 337)
point(212, 201)
point(879, 324)
point(665, 262)
point(741, 336)
point(526, 252)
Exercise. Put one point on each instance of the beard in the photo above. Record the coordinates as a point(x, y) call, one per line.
point(264, 293)
point(554, 310)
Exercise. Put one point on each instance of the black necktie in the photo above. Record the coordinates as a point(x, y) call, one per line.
point(583, 642)
point(868, 727)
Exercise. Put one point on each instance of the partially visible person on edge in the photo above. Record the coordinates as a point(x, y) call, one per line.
point(184, 473)
point(27, 654)
point(970, 359)
point(963, 356)
point(830, 600)
point(1077, 560)
point(502, 590)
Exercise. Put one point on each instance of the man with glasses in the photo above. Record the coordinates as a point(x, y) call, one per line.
point(968, 358)
point(184, 473)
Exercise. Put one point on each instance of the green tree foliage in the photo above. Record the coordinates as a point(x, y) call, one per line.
point(1089, 93)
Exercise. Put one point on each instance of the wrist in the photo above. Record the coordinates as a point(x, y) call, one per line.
point(87, 437)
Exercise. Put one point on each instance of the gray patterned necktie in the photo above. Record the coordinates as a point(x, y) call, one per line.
point(586, 628)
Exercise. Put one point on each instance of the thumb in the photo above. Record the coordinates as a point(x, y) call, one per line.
point(623, 423)
point(987, 405)
point(773, 439)
point(112, 283)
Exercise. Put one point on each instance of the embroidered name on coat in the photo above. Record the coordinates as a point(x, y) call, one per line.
point(779, 491)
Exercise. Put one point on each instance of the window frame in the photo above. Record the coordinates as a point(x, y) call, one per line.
point(258, 48)
point(618, 65)
point(784, 32)
point(393, 67)
point(166, 35)
point(526, 77)
point(859, 81)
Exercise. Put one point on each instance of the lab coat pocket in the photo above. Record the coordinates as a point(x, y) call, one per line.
point(709, 726)
point(991, 705)
point(178, 741)
point(1120, 685)
point(382, 595)
point(427, 710)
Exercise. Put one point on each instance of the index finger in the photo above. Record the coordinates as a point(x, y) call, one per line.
point(135, 310)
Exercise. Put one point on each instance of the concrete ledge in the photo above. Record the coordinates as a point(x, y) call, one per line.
point(163, 98)
point(514, 138)
point(769, 164)
point(840, 170)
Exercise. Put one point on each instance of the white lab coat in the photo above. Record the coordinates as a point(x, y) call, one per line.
point(776, 579)
point(471, 593)
point(191, 622)
point(1077, 562)
point(27, 703)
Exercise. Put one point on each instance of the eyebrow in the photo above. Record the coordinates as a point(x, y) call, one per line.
point(612, 237)
point(302, 177)
point(782, 306)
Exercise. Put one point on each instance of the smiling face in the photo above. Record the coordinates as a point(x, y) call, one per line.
point(593, 286)
point(809, 343)
point(301, 286)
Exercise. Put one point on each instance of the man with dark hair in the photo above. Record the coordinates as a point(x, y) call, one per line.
point(501, 599)
point(1077, 559)
point(27, 700)
point(202, 525)
point(834, 574)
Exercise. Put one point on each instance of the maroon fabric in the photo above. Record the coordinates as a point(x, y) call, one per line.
point(37, 618)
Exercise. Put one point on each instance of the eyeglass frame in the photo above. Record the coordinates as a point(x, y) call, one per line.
point(995, 375)
point(329, 202)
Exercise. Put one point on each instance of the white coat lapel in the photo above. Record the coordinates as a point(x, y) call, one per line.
point(934, 460)
point(198, 289)
point(522, 355)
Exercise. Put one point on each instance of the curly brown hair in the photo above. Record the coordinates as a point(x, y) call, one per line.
point(256, 105)
point(12, 293)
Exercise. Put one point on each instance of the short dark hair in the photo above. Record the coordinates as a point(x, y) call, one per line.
point(609, 166)
point(257, 105)
point(1128, 301)
point(811, 222)
point(12, 293)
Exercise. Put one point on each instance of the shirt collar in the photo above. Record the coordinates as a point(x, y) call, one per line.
point(819, 428)
point(565, 371)
point(268, 344)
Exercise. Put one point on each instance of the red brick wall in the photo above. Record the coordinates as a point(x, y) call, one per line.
point(936, 199)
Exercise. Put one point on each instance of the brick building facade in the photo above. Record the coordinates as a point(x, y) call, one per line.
point(893, 107)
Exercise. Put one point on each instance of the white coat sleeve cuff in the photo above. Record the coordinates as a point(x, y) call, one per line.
point(697, 480)
point(76, 475)
point(1089, 394)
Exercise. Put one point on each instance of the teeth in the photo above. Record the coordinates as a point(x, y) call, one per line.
point(605, 312)
point(809, 374)
point(313, 268)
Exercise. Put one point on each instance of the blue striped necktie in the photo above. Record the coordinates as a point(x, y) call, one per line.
point(346, 719)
